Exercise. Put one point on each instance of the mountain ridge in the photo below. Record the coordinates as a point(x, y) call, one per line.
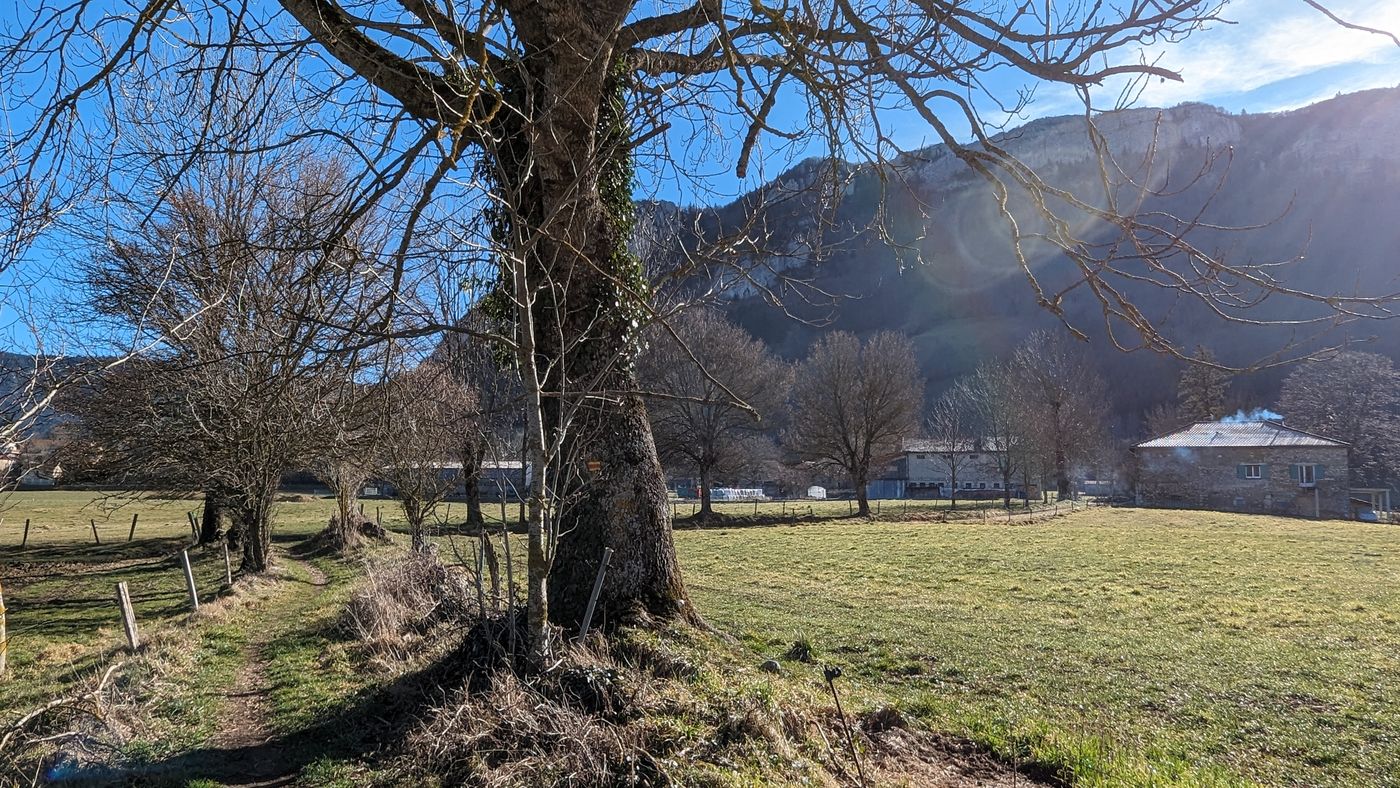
point(1323, 181)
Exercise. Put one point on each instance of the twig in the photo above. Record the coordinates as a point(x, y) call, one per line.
point(833, 673)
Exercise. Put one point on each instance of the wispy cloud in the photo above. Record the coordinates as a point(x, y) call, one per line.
point(1272, 42)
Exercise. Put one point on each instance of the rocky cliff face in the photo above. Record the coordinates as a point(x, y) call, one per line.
point(1322, 183)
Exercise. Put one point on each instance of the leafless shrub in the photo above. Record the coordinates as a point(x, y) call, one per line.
point(403, 599)
point(577, 724)
point(46, 740)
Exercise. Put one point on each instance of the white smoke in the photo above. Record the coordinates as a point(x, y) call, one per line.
point(1257, 414)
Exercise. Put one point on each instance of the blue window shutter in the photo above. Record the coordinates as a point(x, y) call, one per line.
point(1294, 473)
point(1321, 473)
point(1264, 471)
point(1239, 471)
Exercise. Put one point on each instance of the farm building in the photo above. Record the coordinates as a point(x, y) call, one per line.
point(1250, 466)
point(499, 480)
point(925, 469)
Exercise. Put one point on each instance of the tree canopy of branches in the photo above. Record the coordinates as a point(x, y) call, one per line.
point(1352, 397)
point(493, 427)
point(855, 403)
point(1063, 401)
point(999, 413)
point(951, 426)
point(714, 395)
point(423, 408)
point(529, 116)
point(1200, 394)
point(232, 281)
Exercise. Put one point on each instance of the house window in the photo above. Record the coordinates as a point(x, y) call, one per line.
point(1253, 472)
point(1307, 474)
point(981, 485)
point(967, 485)
point(997, 485)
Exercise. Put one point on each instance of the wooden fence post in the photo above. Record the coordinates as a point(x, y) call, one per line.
point(133, 640)
point(480, 589)
point(194, 529)
point(510, 569)
point(189, 579)
point(4, 637)
point(25, 540)
point(593, 597)
point(95, 538)
point(130, 535)
point(228, 565)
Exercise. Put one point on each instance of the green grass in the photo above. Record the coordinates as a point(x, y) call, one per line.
point(1123, 646)
point(1128, 646)
point(60, 592)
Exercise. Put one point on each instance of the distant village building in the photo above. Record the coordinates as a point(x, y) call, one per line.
point(1247, 466)
point(924, 469)
point(504, 480)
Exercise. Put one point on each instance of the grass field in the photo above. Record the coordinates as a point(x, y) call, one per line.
point(1134, 646)
point(60, 588)
point(1123, 646)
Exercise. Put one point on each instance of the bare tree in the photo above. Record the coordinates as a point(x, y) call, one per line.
point(537, 111)
point(1063, 399)
point(422, 409)
point(492, 430)
point(1163, 418)
point(233, 276)
point(1200, 393)
point(712, 390)
point(999, 404)
point(951, 426)
point(1352, 397)
point(854, 404)
point(347, 455)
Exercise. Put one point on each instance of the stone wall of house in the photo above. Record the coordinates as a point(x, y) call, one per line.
point(1209, 478)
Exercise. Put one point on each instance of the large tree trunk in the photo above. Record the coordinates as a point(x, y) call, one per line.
point(472, 459)
point(862, 498)
point(621, 501)
point(213, 514)
point(345, 530)
point(705, 509)
point(255, 514)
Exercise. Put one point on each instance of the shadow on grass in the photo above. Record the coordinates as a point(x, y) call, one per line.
point(364, 728)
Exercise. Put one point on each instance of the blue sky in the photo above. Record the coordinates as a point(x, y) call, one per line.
point(1277, 55)
point(1267, 56)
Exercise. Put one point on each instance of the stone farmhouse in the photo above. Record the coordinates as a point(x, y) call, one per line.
point(1247, 466)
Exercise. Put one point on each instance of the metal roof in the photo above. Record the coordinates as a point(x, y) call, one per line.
point(1239, 434)
point(963, 446)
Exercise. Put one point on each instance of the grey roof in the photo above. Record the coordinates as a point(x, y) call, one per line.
point(1238, 434)
point(966, 445)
